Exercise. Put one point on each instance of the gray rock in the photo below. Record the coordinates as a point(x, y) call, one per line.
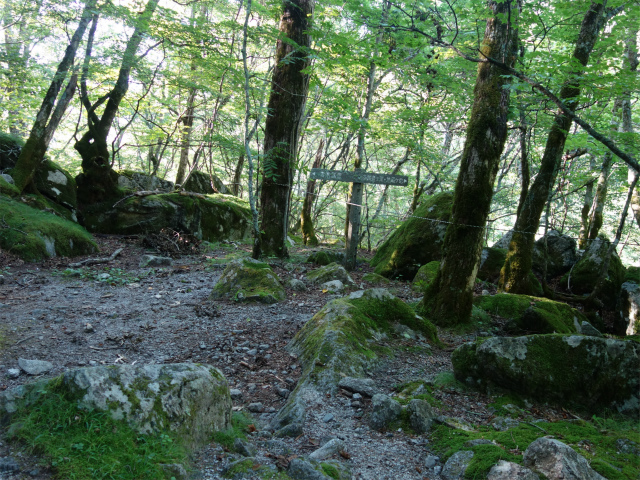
point(628, 321)
point(7, 178)
point(431, 461)
point(332, 447)
point(155, 261)
point(333, 271)
point(249, 280)
point(587, 329)
point(275, 447)
point(456, 465)
point(557, 461)
point(504, 470)
point(8, 465)
point(13, 373)
point(329, 417)
point(333, 286)
point(421, 415)
point(297, 285)
point(384, 411)
point(255, 407)
point(235, 394)
point(502, 424)
point(244, 448)
point(300, 469)
point(292, 430)
point(504, 241)
point(34, 367)
point(477, 441)
point(363, 386)
point(561, 253)
point(175, 470)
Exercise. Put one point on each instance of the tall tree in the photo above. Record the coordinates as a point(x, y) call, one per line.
point(289, 87)
point(448, 300)
point(516, 276)
point(97, 182)
point(42, 130)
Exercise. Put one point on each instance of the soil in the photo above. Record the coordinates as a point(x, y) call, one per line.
point(163, 315)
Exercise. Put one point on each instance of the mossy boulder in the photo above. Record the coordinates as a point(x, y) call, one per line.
point(56, 184)
point(33, 234)
point(7, 186)
point(10, 148)
point(583, 277)
point(561, 253)
point(587, 372)
point(425, 275)
point(417, 241)
point(491, 262)
point(628, 321)
point(531, 314)
point(375, 279)
point(201, 182)
point(329, 272)
point(248, 280)
point(208, 217)
point(325, 257)
point(138, 181)
point(190, 400)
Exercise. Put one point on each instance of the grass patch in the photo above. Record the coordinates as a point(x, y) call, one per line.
point(241, 424)
point(80, 444)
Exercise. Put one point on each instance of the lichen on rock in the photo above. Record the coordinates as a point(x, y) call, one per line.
point(248, 280)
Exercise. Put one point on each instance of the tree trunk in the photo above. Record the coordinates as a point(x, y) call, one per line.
point(597, 206)
point(185, 137)
point(237, 176)
point(515, 276)
point(98, 181)
point(583, 235)
point(448, 300)
point(286, 107)
point(36, 145)
point(525, 174)
point(306, 222)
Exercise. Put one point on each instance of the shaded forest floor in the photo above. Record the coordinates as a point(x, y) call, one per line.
point(118, 313)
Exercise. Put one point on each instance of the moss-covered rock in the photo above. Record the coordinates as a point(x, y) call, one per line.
point(201, 182)
point(33, 234)
point(417, 241)
point(248, 280)
point(325, 257)
point(561, 253)
point(7, 187)
point(138, 181)
point(55, 183)
point(491, 262)
point(329, 272)
point(587, 372)
point(584, 275)
point(425, 275)
point(375, 279)
point(208, 217)
point(531, 314)
point(10, 148)
point(190, 400)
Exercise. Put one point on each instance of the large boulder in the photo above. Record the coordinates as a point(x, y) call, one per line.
point(523, 313)
point(561, 253)
point(491, 262)
point(201, 182)
point(417, 241)
point(557, 461)
point(248, 280)
point(588, 372)
point(586, 272)
point(191, 400)
point(504, 241)
point(34, 235)
point(138, 181)
point(424, 276)
point(207, 217)
point(628, 321)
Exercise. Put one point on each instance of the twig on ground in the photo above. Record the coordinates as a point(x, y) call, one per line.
point(95, 261)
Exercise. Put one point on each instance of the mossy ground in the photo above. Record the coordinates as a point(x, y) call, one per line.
point(80, 444)
point(34, 235)
point(597, 440)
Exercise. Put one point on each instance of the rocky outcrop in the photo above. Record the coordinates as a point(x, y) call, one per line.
point(531, 314)
point(628, 321)
point(561, 254)
point(557, 461)
point(201, 182)
point(584, 371)
point(417, 241)
point(190, 400)
point(248, 280)
point(138, 181)
point(491, 262)
point(210, 217)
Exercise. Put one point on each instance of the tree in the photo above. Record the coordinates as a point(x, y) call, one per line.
point(36, 145)
point(97, 182)
point(448, 300)
point(289, 87)
point(516, 276)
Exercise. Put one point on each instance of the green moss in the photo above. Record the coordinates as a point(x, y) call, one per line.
point(247, 280)
point(425, 275)
point(375, 279)
point(240, 426)
point(632, 274)
point(330, 470)
point(490, 269)
point(417, 241)
point(34, 235)
point(325, 257)
point(8, 189)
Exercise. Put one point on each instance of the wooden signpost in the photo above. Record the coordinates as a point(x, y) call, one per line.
point(358, 177)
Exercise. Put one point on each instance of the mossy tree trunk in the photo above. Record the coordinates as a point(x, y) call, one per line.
point(286, 107)
point(185, 137)
point(586, 208)
point(98, 181)
point(44, 125)
point(597, 206)
point(515, 276)
point(448, 299)
point(237, 176)
point(306, 222)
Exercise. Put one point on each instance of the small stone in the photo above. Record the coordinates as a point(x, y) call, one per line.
point(364, 386)
point(333, 286)
point(292, 430)
point(244, 448)
point(457, 464)
point(283, 392)
point(502, 424)
point(297, 285)
point(34, 367)
point(255, 407)
point(235, 394)
point(88, 328)
point(329, 449)
point(486, 293)
point(253, 352)
point(356, 396)
point(103, 276)
point(356, 404)
point(13, 372)
point(175, 470)
point(155, 261)
point(431, 461)
point(384, 411)
point(328, 418)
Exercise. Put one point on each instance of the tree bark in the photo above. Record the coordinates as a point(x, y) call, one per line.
point(185, 137)
point(597, 206)
point(448, 300)
point(237, 176)
point(583, 235)
point(98, 181)
point(36, 145)
point(286, 107)
point(515, 276)
point(306, 222)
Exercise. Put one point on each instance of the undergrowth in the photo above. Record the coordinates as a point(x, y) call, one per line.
point(241, 424)
point(79, 444)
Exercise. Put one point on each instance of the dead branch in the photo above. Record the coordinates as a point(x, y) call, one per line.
point(94, 261)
